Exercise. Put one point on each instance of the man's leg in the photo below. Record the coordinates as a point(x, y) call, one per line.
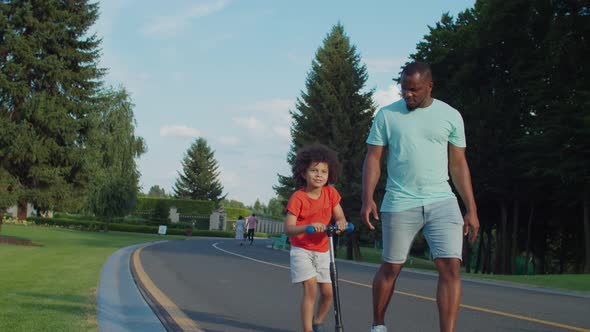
point(448, 295)
point(383, 286)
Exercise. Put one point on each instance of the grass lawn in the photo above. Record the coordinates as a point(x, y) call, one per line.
point(569, 282)
point(53, 287)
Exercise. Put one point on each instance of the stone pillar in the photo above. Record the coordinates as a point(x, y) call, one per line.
point(217, 220)
point(174, 215)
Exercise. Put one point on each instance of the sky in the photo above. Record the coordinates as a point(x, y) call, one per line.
point(230, 70)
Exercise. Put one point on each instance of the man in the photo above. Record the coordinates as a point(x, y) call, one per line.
point(425, 141)
point(251, 221)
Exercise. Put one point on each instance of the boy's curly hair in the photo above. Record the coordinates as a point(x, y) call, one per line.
point(315, 153)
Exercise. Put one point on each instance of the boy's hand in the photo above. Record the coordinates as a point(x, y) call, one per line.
point(318, 226)
point(341, 224)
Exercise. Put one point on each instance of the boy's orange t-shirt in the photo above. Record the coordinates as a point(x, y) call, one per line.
point(309, 211)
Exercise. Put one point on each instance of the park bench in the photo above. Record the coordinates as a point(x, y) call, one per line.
point(279, 242)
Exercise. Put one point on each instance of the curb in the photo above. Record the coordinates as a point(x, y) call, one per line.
point(171, 317)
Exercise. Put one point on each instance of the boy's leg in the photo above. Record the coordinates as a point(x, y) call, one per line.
point(310, 287)
point(326, 298)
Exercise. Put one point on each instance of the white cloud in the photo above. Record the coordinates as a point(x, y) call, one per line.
point(386, 97)
point(282, 132)
point(387, 65)
point(172, 24)
point(251, 123)
point(229, 140)
point(233, 180)
point(179, 131)
point(121, 73)
point(109, 11)
point(276, 105)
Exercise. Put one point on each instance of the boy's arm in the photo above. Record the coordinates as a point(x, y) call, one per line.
point(291, 228)
point(339, 217)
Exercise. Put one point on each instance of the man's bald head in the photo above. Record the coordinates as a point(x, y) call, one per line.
point(421, 68)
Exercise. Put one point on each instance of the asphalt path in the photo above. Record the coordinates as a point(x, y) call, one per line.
point(221, 287)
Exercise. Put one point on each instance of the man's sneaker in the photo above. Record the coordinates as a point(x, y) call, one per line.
point(318, 328)
point(379, 328)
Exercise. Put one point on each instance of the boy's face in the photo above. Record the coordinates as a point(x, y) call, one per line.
point(316, 175)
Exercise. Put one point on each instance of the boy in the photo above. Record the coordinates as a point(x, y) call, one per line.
point(314, 204)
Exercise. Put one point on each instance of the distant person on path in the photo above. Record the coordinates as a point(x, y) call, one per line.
point(425, 141)
point(315, 168)
point(240, 229)
point(252, 221)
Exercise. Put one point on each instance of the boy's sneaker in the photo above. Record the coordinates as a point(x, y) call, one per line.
point(318, 328)
point(379, 328)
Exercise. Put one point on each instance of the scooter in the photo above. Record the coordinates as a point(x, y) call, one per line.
point(330, 231)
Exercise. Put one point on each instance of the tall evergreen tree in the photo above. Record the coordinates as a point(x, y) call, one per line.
point(200, 175)
point(48, 83)
point(335, 111)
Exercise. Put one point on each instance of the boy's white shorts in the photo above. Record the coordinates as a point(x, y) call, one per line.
point(306, 264)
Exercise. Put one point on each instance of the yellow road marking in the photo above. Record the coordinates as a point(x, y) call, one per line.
point(466, 306)
point(179, 317)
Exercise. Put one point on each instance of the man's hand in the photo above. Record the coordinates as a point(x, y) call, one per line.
point(471, 222)
point(369, 209)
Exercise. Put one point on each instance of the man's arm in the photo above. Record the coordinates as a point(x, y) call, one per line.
point(371, 174)
point(462, 180)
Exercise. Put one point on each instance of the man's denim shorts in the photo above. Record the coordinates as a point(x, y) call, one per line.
point(441, 224)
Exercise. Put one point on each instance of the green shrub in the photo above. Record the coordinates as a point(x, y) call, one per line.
point(84, 225)
point(161, 212)
point(134, 228)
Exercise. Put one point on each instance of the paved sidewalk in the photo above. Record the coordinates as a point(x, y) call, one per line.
point(120, 305)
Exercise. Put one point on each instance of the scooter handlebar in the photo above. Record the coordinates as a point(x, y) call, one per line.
point(330, 228)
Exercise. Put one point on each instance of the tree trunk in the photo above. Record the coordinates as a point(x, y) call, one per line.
point(21, 209)
point(586, 204)
point(543, 250)
point(480, 251)
point(487, 262)
point(356, 248)
point(562, 239)
point(528, 238)
point(349, 254)
point(514, 246)
point(502, 235)
point(467, 256)
point(1, 219)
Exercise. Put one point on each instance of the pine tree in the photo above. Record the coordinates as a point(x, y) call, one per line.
point(199, 177)
point(48, 83)
point(336, 112)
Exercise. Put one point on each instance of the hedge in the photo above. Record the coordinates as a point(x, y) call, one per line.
point(184, 206)
point(234, 213)
point(84, 225)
